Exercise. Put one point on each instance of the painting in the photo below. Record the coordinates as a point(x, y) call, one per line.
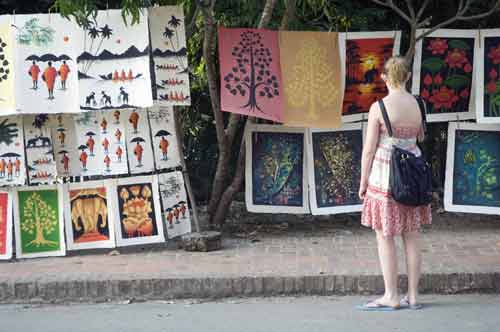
point(334, 168)
point(88, 215)
point(472, 181)
point(140, 151)
point(488, 77)
point(137, 203)
point(90, 156)
point(174, 202)
point(38, 222)
point(46, 74)
point(275, 169)
point(363, 55)
point(112, 128)
point(250, 73)
point(39, 150)
point(113, 67)
point(5, 225)
point(12, 162)
point(168, 41)
point(165, 145)
point(443, 73)
point(64, 142)
point(7, 90)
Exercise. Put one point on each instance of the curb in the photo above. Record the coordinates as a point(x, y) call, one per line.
point(215, 288)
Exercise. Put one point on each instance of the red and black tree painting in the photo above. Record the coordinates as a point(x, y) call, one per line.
point(250, 71)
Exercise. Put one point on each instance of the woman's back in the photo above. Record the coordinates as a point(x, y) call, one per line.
point(403, 111)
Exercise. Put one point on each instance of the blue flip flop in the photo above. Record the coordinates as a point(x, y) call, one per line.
point(406, 304)
point(374, 306)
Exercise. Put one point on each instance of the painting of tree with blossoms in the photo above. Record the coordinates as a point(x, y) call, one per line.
point(488, 98)
point(444, 77)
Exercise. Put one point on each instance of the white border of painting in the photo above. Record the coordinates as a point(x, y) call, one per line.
point(120, 242)
point(343, 37)
point(417, 66)
point(450, 165)
point(248, 171)
point(480, 77)
point(315, 210)
point(62, 251)
point(8, 226)
point(68, 222)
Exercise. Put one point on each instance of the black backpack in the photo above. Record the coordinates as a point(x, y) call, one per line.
point(410, 179)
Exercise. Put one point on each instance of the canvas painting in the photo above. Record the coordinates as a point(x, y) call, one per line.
point(310, 63)
point(250, 73)
point(334, 169)
point(174, 202)
point(90, 152)
point(64, 142)
point(165, 144)
point(112, 127)
point(488, 77)
point(363, 55)
point(472, 182)
point(88, 215)
point(443, 73)
point(46, 72)
point(113, 67)
point(275, 169)
point(140, 151)
point(7, 90)
point(137, 203)
point(39, 150)
point(12, 162)
point(38, 222)
point(5, 225)
point(168, 41)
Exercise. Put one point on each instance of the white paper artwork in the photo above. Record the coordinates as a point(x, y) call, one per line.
point(168, 41)
point(90, 153)
point(114, 63)
point(12, 163)
point(174, 202)
point(112, 126)
point(139, 149)
point(46, 71)
point(165, 144)
point(66, 153)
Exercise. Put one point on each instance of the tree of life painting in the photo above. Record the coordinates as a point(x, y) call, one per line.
point(476, 174)
point(337, 156)
point(365, 59)
point(277, 168)
point(136, 209)
point(446, 74)
point(491, 106)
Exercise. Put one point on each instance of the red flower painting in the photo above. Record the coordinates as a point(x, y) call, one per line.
point(456, 58)
point(491, 82)
point(438, 46)
point(444, 98)
point(494, 55)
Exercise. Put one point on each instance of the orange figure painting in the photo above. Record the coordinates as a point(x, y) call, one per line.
point(89, 215)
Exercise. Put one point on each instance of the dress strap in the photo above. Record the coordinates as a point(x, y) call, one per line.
point(386, 117)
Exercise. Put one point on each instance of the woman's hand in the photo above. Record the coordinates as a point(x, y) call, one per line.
point(362, 190)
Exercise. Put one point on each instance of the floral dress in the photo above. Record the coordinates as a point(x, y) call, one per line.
point(380, 211)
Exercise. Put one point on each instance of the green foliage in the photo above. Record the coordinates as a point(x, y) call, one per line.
point(460, 44)
point(433, 65)
point(457, 81)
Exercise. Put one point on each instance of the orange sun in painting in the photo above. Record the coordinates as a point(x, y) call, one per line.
point(66, 39)
point(369, 61)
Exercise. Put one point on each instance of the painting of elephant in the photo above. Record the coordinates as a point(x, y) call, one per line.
point(89, 215)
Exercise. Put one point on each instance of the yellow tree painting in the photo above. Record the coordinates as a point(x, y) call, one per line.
point(7, 104)
point(311, 75)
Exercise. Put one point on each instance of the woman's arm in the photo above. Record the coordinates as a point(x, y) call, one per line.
point(369, 148)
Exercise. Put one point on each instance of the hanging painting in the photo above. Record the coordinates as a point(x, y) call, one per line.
point(174, 201)
point(12, 163)
point(38, 222)
point(310, 63)
point(165, 145)
point(140, 152)
point(112, 127)
point(39, 150)
point(46, 73)
point(88, 215)
point(363, 55)
point(334, 169)
point(250, 73)
point(168, 41)
point(488, 77)
point(113, 67)
point(137, 203)
point(472, 182)
point(66, 153)
point(90, 152)
point(7, 91)
point(275, 170)
point(5, 225)
point(443, 73)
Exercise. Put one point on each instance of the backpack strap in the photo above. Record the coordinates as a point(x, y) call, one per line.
point(386, 117)
point(421, 106)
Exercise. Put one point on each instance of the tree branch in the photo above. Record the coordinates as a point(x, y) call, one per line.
point(422, 9)
point(267, 13)
point(411, 9)
point(192, 24)
point(390, 4)
point(289, 14)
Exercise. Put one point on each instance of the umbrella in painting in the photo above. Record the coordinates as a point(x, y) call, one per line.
point(65, 152)
point(64, 57)
point(49, 57)
point(162, 133)
point(90, 133)
point(138, 149)
point(10, 155)
point(33, 57)
point(163, 142)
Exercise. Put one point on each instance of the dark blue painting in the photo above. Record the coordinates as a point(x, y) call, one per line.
point(337, 167)
point(277, 168)
point(491, 81)
point(476, 171)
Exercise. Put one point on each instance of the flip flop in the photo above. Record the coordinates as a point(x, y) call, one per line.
point(405, 303)
point(374, 306)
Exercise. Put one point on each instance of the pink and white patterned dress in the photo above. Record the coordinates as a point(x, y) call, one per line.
point(380, 211)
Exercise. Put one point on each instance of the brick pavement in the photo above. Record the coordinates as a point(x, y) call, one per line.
point(319, 258)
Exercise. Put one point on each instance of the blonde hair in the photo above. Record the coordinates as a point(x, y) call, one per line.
point(396, 70)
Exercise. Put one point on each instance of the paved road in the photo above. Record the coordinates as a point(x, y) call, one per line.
point(312, 314)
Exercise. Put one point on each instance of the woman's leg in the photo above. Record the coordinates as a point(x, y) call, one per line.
point(389, 264)
point(413, 260)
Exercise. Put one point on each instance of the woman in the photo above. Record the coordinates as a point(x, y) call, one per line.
point(380, 212)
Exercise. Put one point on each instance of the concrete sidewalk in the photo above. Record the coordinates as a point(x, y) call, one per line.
point(460, 254)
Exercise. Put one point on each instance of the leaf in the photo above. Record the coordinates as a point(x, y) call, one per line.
point(457, 81)
point(433, 64)
point(460, 44)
